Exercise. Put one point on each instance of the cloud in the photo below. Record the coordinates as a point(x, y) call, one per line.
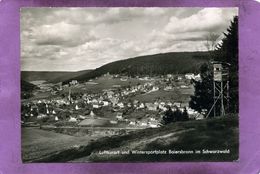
point(61, 34)
point(70, 39)
point(208, 19)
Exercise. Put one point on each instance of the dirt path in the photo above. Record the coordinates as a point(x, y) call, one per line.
point(173, 135)
point(135, 144)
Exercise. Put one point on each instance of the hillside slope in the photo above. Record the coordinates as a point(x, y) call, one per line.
point(210, 134)
point(27, 87)
point(50, 76)
point(159, 64)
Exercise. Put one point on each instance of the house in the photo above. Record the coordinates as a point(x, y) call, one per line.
point(113, 121)
point(169, 75)
point(204, 111)
point(40, 116)
point(179, 78)
point(177, 104)
point(136, 102)
point(123, 79)
point(121, 105)
point(76, 107)
point(169, 104)
point(168, 88)
point(132, 123)
point(143, 124)
point(145, 78)
point(114, 100)
point(155, 88)
point(105, 103)
point(92, 114)
point(151, 106)
point(152, 119)
point(101, 98)
point(72, 119)
point(119, 116)
point(156, 103)
point(184, 87)
point(153, 125)
point(141, 106)
point(197, 77)
point(162, 103)
point(73, 82)
point(199, 116)
point(88, 101)
point(107, 74)
point(192, 112)
point(81, 117)
point(133, 90)
point(189, 76)
point(162, 107)
point(129, 105)
point(96, 106)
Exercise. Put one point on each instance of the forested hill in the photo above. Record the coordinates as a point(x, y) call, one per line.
point(50, 76)
point(28, 87)
point(158, 64)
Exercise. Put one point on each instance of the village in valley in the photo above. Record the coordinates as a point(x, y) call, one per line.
point(133, 103)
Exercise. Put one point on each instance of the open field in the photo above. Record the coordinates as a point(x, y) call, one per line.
point(103, 83)
point(165, 95)
point(37, 143)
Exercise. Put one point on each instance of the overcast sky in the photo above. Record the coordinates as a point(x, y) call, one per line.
point(72, 39)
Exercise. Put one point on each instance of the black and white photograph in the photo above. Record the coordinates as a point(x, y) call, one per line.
point(129, 84)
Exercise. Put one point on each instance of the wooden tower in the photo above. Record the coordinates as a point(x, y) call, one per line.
point(220, 88)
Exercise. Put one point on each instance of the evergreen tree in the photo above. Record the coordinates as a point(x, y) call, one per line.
point(177, 114)
point(227, 52)
point(168, 117)
point(185, 115)
point(203, 95)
